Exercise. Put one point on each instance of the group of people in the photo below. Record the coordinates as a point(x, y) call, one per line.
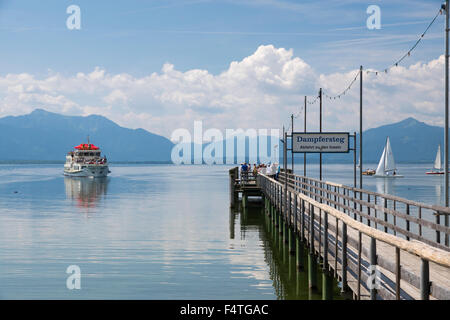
point(271, 170)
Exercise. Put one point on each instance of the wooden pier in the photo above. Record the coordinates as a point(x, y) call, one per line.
point(246, 186)
point(377, 246)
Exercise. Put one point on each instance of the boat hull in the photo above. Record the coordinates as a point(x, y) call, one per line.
point(436, 173)
point(94, 172)
point(388, 177)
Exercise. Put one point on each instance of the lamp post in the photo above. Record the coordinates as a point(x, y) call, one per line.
point(360, 128)
point(292, 137)
point(304, 155)
point(446, 113)
point(320, 129)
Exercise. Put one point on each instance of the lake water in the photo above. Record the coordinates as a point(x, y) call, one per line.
point(153, 232)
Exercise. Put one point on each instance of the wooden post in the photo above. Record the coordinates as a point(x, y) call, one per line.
point(299, 252)
point(244, 200)
point(327, 286)
point(302, 221)
point(292, 231)
point(368, 210)
point(336, 240)
point(320, 235)
point(295, 214)
point(312, 271)
point(325, 240)
point(407, 221)
point(425, 280)
point(311, 229)
point(358, 293)
point(397, 273)
point(344, 257)
point(373, 264)
point(232, 197)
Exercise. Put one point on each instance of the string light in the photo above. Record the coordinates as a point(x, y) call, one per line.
point(314, 101)
point(298, 113)
point(395, 64)
point(345, 90)
point(408, 54)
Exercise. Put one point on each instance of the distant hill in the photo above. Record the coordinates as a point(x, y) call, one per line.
point(411, 141)
point(47, 136)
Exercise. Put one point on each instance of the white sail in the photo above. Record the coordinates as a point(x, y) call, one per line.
point(437, 162)
point(380, 168)
point(389, 164)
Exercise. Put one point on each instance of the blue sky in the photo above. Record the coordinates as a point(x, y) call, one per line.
point(162, 64)
point(138, 36)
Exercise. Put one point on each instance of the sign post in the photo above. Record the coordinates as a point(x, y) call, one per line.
point(320, 142)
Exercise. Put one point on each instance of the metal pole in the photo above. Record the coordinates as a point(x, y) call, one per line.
point(292, 142)
point(373, 263)
point(446, 112)
point(425, 279)
point(285, 159)
point(320, 129)
point(360, 127)
point(284, 152)
point(304, 155)
point(285, 187)
point(354, 160)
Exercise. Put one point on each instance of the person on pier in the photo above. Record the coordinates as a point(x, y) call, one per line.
point(244, 172)
point(255, 170)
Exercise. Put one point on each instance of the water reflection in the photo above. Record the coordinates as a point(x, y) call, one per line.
point(86, 192)
point(287, 280)
point(439, 192)
point(385, 185)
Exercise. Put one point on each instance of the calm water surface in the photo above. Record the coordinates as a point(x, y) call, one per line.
point(152, 232)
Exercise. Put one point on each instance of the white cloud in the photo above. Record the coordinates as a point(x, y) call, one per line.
point(260, 91)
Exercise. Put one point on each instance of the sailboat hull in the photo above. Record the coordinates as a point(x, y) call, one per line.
point(435, 173)
point(388, 177)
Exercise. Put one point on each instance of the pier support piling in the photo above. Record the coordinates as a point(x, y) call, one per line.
point(312, 271)
point(327, 286)
point(299, 254)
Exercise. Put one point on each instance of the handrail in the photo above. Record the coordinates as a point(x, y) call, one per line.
point(441, 209)
point(372, 206)
point(419, 249)
point(392, 206)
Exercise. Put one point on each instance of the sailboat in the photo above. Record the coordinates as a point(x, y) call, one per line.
point(437, 169)
point(386, 167)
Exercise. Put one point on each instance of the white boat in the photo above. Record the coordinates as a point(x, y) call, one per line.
point(386, 167)
point(437, 168)
point(86, 161)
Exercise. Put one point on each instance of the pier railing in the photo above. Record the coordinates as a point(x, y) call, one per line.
point(351, 241)
point(401, 217)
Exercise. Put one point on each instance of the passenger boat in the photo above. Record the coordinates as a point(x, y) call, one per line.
point(86, 161)
point(386, 167)
point(437, 168)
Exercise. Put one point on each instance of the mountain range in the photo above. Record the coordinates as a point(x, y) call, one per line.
point(47, 136)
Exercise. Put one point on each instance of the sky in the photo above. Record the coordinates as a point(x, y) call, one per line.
point(161, 65)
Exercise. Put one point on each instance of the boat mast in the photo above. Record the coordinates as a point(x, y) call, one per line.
point(385, 154)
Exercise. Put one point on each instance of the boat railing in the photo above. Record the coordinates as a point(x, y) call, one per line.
point(394, 215)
